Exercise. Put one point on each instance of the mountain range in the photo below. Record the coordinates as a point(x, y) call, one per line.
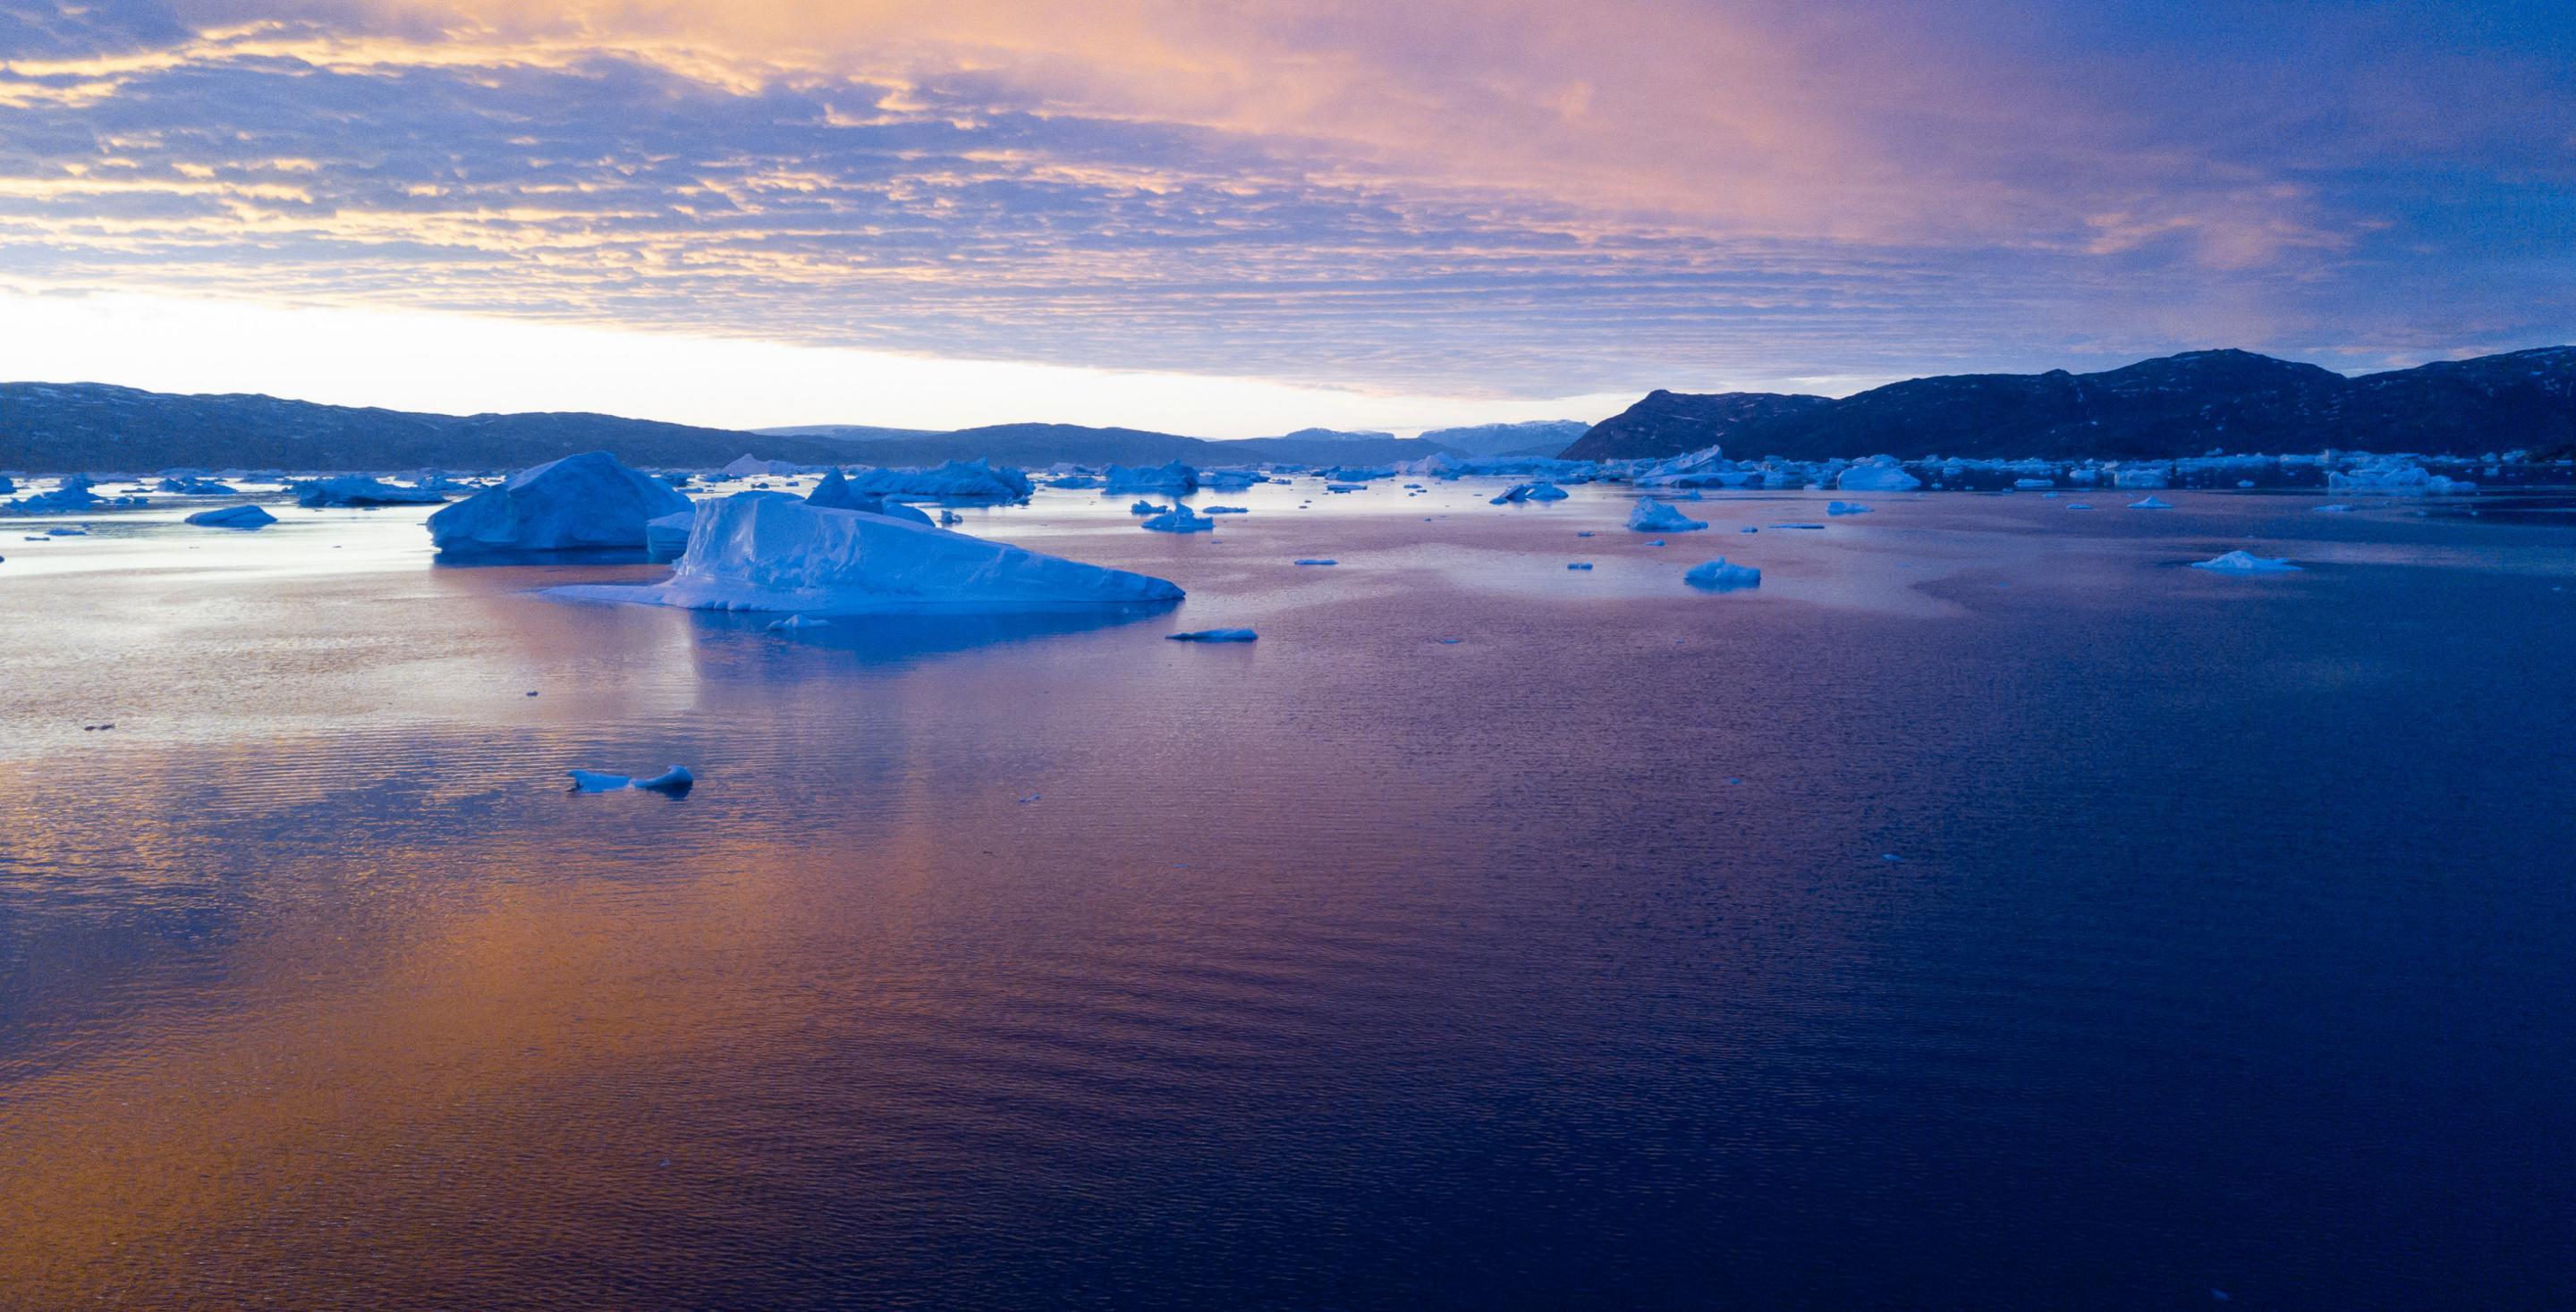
point(2175, 405)
point(97, 428)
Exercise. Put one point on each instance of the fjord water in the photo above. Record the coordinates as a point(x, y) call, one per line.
point(1986, 911)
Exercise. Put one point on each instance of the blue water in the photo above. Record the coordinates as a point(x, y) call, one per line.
point(2228, 941)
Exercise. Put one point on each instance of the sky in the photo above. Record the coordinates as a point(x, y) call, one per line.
point(1251, 216)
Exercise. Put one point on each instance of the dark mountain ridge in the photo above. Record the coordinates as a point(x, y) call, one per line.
point(2175, 405)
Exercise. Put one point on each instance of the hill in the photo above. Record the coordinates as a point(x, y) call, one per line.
point(2176, 405)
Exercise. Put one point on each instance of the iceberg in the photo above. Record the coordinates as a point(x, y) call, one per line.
point(1877, 474)
point(1230, 480)
point(668, 535)
point(1214, 635)
point(2150, 504)
point(588, 501)
point(1520, 492)
point(1652, 516)
point(1719, 576)
point(233, 517)
point(1175, 479)
point(756, 552)
point(1180, 519)
point(674, 781)
point(193, 486)
point(1846, 508)
point(360, 490)
point(752, 466)
point(835, 493)
point(956, 480)
point(2238, 562)
point(1146, 508)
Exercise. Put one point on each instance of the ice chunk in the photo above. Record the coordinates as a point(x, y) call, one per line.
point(359, 490)
point(233, 517)
point(748, 465)
point(1846, 508)
point(835, 493)
point(1180, 519)
point(1579, 564)
point(2238, 562)
point(588, 501)
point(1719, 576)
point(674, 781)
point(1225, 510)
point(1146, 508)
point(800, 622)
point(197, 487)
point(762, 552)
point(1652, 516)
point(1214, 635)
point(2150, 503)
point(1173, 479)
point(668, 535)
point(2334, 510)
point(1877, 474)
point(1319, 562)
point(957, 480)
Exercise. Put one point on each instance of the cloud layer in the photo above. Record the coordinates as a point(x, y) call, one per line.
point(1505, 197)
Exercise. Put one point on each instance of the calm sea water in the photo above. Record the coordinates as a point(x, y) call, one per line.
point(1986, 912)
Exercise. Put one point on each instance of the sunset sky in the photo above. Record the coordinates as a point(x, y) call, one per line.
point(1241, 218)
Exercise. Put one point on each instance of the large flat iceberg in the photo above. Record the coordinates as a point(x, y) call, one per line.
point(768, 553)
point(591, 501)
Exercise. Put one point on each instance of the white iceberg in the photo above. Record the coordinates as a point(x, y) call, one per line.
point(245, 517)
point(1652, 516)
point(755, 552)
point(668, 535)
point(1877, 474)
point(2239, 562)
point(674, 781)
point(956, 480)
point(1175, 478)
point(1719, 576)
point(359, 490)
point(836, 493)
point(591, 501)
point(1180, 519)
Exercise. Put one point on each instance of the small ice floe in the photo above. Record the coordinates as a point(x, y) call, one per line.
point(800, 622)
point(1846, 508)
point(2239, 562)
point(1583, 533)
point(1652, 516)
point(1318, 561)
point(1448, 642)
point(1147, 508)
point(2336, 509)
point(1748, 529)
point(77, 532)
point(2079, 505)
point(1578, 564)
point(2151, 503)
point(1813, 528)
point(1889, 856)
point(948, 517)
point(1031, 798)
point(1656, 543)
point(1226, 510)
point(1214, 635)
point(98, 728)
point(242, 517)
point(674, 781)
point(1720, 576)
